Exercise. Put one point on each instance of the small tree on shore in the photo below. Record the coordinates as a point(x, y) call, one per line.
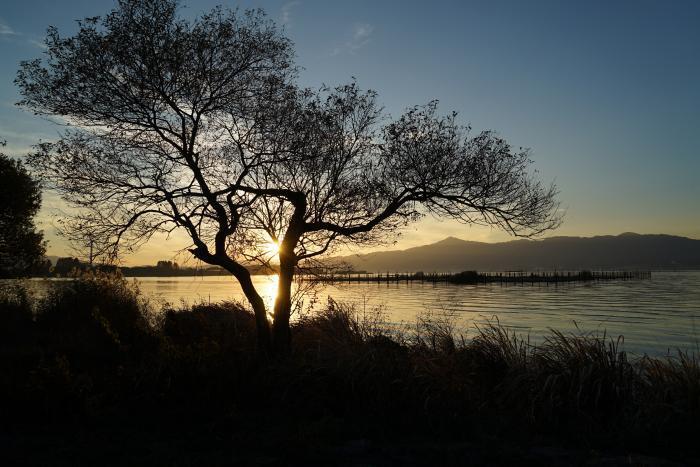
point(22, 248)
point(199, 126)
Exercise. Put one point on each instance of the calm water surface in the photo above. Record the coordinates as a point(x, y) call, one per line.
point(654, 315)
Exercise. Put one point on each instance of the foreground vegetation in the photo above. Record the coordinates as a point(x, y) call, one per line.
point(91, 372)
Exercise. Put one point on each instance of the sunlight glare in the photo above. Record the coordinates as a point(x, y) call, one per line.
point(269, 293)
point(272, 248)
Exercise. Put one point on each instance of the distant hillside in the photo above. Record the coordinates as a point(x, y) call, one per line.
point(628, 250)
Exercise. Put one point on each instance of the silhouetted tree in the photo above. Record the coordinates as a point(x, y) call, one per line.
point(167, 265)
point(198, 126)
point(67, 266)
point(21, 246)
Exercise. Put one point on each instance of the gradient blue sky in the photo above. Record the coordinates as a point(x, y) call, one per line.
point(605, 93)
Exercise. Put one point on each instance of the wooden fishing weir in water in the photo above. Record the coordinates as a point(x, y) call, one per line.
point(473, 277)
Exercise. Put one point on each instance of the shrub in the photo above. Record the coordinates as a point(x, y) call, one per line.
point(226, 325)
point(465, 277)
point(16, 320)
point(97, 314)
point(585, 275)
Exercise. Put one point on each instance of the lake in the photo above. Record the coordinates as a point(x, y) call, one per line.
point(655, 315)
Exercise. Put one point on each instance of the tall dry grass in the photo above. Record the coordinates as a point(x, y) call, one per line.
point(92, 349)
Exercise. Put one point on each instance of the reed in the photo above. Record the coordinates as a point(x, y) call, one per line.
point(95, 350)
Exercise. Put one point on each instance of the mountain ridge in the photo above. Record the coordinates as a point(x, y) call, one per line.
point(452, 254)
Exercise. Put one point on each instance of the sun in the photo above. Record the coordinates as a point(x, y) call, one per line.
point(272, 248)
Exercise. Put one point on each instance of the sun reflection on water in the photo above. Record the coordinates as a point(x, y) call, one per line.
point(268, 292)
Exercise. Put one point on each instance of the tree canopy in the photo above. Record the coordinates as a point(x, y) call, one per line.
point(21, 246)
point(200, 126)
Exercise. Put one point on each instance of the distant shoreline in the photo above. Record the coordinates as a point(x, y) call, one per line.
point(358, 273)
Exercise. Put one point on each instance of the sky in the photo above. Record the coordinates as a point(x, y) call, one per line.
point(606, 94)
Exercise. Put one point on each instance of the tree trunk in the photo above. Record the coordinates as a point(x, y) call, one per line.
point(281, 333)
point(282, 337)
point(262, 325)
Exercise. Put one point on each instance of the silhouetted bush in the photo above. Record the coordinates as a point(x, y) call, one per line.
point(17, 326)
point(226, 324)
point(465, 277)
point(585, 275)
point(96, 315)
point(94, 349)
